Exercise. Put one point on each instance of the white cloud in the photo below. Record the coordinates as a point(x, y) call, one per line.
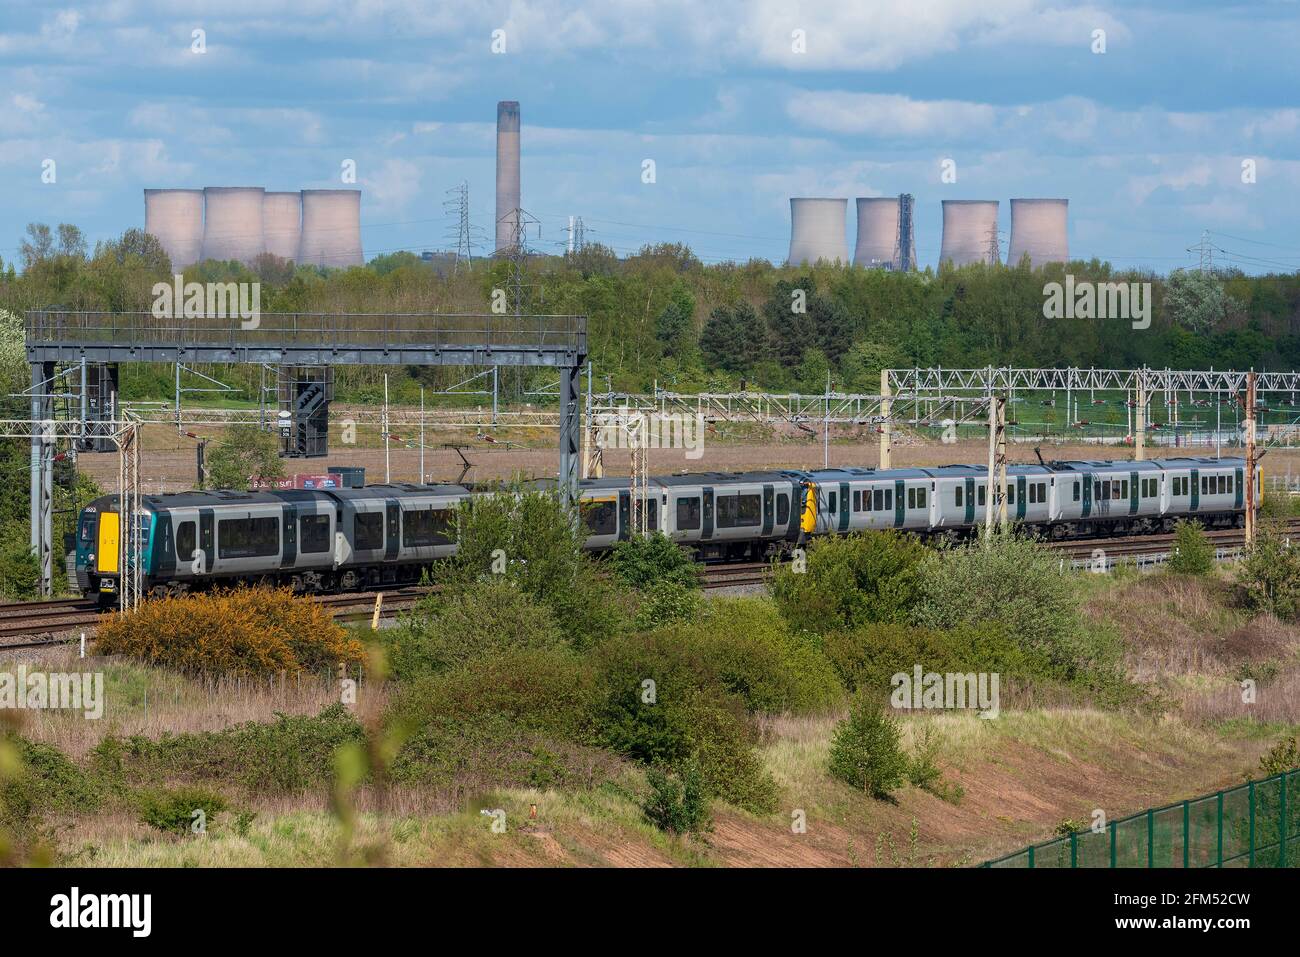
point(889, 115)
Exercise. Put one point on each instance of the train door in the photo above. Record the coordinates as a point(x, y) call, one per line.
point(707, 531)
point(392, 529)
point(970, 501)
point(844, 507)
point(289, 550)
point(109, 545)
point(769, 515)
point(1087, 494)
point(1020, 497)
point(1239, 491)
point(207, 543)
point(900, 503)
point(624, 515)
point(1132, 493)
point(1196, 489)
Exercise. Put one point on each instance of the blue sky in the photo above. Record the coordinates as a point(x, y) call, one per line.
point(1147, 140)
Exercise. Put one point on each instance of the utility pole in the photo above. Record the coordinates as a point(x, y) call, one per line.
point(887, 425)
point(1250, 458)
point(995, 497)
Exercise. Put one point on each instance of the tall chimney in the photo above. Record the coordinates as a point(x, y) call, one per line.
point(507, 173)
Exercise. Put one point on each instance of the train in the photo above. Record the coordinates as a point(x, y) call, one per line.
point(333, 540)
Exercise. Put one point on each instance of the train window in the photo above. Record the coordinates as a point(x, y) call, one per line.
point(688, 514)
point(1076, 490)
point(313, 533)
point(983, 495)
point(920, 497)
point(1115, 489)
point(184, 541)
point(1229, 483)
point(248, 537)
point(1011, 495)
point(1223, 484)
point(1205, 485)
point(783, 509)
point(1042, 492)
point(87, 525)
point(428, 526)
point(368, 531)
point(857, 501)
point(889, 500)
point(601, 518)
point(878, 499)
point(1124, 490)
point(652, 514)
point(738, 511)
point(957, 496)
point(911, 498)
point(832, 502)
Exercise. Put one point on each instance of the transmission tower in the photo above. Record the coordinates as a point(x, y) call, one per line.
point(577, 231)
point(457, 206)
point(995, 247)
point(1205, 251)
point(520, 220)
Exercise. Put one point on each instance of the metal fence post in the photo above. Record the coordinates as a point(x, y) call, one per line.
point(1282, 828)
point(1112, 846)
point(1251, 791)
point(1151, 838)
point(1219, 852)
point(1031, 855)
point(1074, 849)
point(1187, 834)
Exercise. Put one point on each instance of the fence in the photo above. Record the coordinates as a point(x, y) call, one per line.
point(1256, 824)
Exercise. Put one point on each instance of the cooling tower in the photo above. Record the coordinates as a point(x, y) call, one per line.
point(282, 223)
point(877, 245)
point(232, 223)
point(175, 217)
point(1038, 228)
point(331, 228)
point(817, 230)
point(970, 232)
point(507, 172)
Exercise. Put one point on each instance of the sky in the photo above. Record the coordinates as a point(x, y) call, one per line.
point(1178, 117)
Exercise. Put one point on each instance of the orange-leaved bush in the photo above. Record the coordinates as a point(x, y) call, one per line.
point(246, 631)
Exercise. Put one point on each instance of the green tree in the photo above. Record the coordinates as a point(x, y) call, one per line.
point(1195, 300)
point(1192, 553)
point(243, 453)
point(865, 751)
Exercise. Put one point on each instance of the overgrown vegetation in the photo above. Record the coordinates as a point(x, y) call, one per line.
point(245, 631)
point(243, 454)
point(1192, 553)
point(865, 752)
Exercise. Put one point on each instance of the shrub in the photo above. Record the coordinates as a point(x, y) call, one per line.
point(661, 702)
point(752, 651)
point(644, 562)
point(243, 452)
point(852, 580)
point(865, 753)
point(1282, 757)
point(247, 631)
point(1269, 578)
point(1192, 552)
point(37, 780)
point(478, 619)
point(868, 657)
point(546, 689)
point(664, 602)
point(288, 755)
point(1017, 582)
point(177, 810)
point(677, 805)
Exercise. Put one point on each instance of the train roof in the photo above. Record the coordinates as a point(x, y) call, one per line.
point(721, 478)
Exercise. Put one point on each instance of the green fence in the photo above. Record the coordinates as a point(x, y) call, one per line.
point(1256, 824)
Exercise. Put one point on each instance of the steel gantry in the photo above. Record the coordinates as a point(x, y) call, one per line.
point(58, 337)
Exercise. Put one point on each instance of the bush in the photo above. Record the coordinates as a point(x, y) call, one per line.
point(1017, 582)
point(865, 753)
point(661, 702)
point(37, 780)
point(677, 805)
point(285, 756)
point(868, 657)
point(644, 562)
point(753, 653)
point(243, 452)
point(248, 631)
point(1282, 757)
point(665, 602)
point(175, 809)
point(1192, 552)
point(852, 580)
point(481, 618)
point(1269, 578)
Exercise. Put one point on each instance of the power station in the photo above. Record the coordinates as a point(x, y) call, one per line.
point(1038, 230)
point(507, 175)
point(320, 227)
point(818, 230)
point(970, 232)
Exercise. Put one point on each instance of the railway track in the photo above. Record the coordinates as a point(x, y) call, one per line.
point(43, 623)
